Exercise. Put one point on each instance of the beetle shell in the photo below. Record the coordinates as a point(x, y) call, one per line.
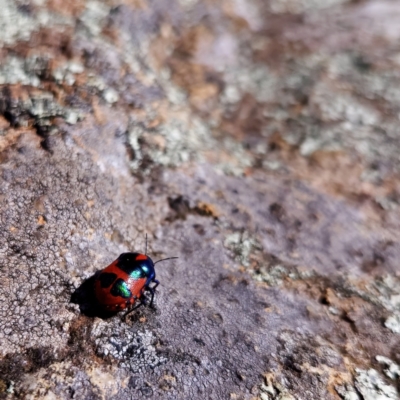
point(123, 282)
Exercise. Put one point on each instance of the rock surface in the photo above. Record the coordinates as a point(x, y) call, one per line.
point(256, 140)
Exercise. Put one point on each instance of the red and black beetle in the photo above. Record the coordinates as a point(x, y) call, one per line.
point(124, 282)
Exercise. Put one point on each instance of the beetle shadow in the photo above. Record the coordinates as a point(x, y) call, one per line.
point(85, 297)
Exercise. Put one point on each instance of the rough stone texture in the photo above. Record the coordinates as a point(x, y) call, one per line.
point(256, 140)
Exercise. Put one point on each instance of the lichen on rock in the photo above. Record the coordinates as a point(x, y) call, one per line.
point(247, 138)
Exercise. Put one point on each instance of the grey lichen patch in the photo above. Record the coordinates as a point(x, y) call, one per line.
point(352, 123)
point(301, 6)
point(242, 245)
point(273, 390)
point(347, 392)
point(110, 95)
point(170, 134)
point(372, 387)
point(331, 114)
point(324, 366)
point(24, 107)
point(61, 379)
point(257, 80)
point(96, 81)
point(65, 73)
point(393, 323)
point(94, 16)
point(385, 291)
point(11, 388)
point(328, 140)
point(343, 107)
point(178, 140)
point(182, 138)
point(392, 370)
point(16, 70)
point(134, 349)
point(274, 273)
point(15, 24)
point(43, 105)
point(239, 159)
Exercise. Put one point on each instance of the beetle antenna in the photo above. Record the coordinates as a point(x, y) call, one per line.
point(164, 259)
point(145, 250)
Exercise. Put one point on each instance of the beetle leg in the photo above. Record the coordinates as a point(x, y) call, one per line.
point(131, 309)
point(152, 291)
point(142, 299)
